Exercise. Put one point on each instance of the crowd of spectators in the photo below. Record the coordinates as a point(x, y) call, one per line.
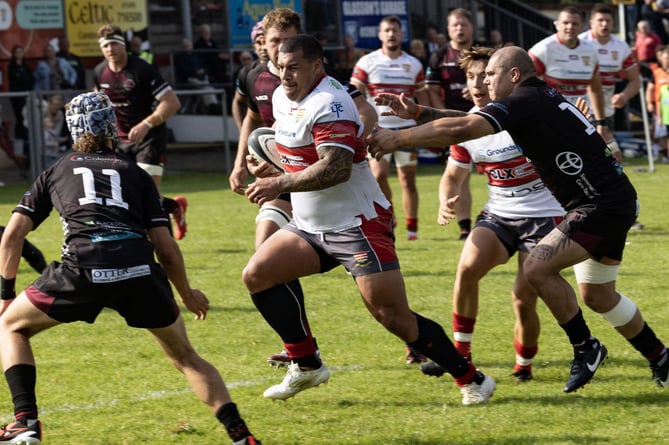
point(204, 63)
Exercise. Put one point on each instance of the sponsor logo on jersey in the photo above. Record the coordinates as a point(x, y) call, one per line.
point(569, 163)
point(112, 275)
point(262, 97)
point(338, 135)
point(336, 107)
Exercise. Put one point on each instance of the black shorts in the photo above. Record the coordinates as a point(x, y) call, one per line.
point(152, 150)
point(601, 230)
point(518, 234)
point(141, 294)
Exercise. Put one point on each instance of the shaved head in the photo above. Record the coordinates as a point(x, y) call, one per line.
point(514, 57)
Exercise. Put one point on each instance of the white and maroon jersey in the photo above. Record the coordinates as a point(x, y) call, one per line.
point(327, 116)
point(567, 70)
point(514, 188)
point(615, 58)
point(381, 74)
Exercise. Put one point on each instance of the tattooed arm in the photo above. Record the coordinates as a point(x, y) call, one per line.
point(333, 167)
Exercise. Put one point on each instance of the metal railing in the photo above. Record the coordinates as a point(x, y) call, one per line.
point(34, 123)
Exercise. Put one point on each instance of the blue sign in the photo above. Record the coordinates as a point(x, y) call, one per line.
point(361, 18)
point(246, 13)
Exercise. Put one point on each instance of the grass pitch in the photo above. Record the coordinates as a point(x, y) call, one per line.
point(110, 384)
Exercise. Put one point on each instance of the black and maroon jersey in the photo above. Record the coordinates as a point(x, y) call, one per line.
point(258, 84)
point(106, 204)
point(571, 158)
point(444, 70)
point(132, 91)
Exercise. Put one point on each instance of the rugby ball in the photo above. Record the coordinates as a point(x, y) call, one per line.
point(262, 147)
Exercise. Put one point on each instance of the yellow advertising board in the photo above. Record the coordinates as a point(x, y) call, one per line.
point(83, 18)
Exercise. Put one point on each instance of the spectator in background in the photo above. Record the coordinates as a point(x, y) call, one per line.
point(20, 78)
point(431, 43)
point(53, 72)
point(56, 134)
point(495, 39)
point(442, 40)
point(215, 61)
point(190, 70)
point(646, 43)
point(245, 59)
point(417, 49)
point(345, 60)
point(655, 17)
point(142, 50)
point(657, 98)
point(73, 60)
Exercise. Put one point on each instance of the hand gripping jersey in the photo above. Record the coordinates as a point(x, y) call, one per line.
point(514, 188)
point(567, 70)
point(615, 58)
point(565, 148)
point(327, 116)
point(381, 74)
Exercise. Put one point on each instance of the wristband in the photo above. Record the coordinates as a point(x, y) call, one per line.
point(7, 291)
point(419, 110)
point(599, 122)
point(147, 123)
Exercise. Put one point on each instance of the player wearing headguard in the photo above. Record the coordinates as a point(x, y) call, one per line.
point(112, 222)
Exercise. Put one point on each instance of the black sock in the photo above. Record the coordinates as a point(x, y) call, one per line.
point(647, 343)
point(234, 425)
point(21, 381)
point(434, 343)
point(465, 225)
point(576, 329)
point(282, 307)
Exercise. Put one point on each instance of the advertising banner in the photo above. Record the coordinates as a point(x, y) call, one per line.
point(30, 24)
point(84, 18)
point(361, 19)
point(246, 13)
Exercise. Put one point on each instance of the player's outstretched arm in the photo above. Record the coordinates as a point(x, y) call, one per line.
point(170, 258)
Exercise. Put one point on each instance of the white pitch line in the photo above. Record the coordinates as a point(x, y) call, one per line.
point(154, 395)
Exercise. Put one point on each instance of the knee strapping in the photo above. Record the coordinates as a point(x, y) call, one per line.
point(593, 272)
point(622, 313)
point(274, 214)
